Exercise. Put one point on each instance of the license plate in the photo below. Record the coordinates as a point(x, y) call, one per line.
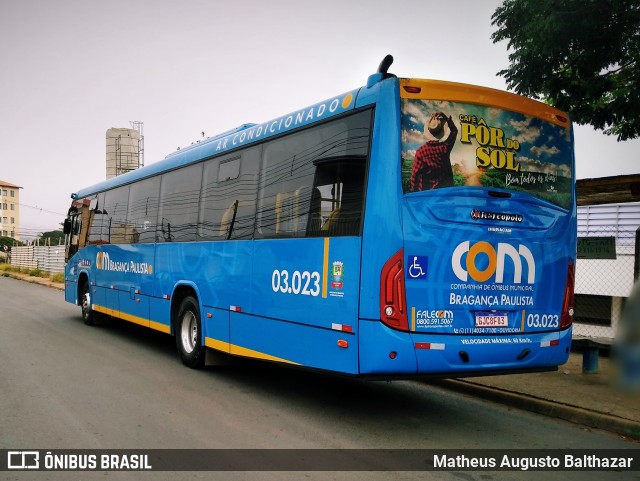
point(492, 319)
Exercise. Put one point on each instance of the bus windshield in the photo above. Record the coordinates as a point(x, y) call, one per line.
point(456, 144)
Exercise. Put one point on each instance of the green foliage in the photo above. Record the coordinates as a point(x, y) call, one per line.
point(459, 180)
point(59, 277)
point(493, 179)
point(52, 237)
point(9, 242)
point(407, 165)
point(580, 56)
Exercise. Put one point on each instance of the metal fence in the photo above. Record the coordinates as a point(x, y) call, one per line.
point(48, 259)
point(605, 276)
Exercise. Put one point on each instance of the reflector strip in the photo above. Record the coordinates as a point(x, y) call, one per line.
point(235, 308)
point(341, 327)
point(434, 346)
point(555, 342)
point(166, 296)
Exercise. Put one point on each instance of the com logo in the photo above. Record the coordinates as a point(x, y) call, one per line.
point(100, 260)
point(482, 262)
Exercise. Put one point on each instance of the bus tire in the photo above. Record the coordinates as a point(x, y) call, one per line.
point(189, 334)
point(88, 316)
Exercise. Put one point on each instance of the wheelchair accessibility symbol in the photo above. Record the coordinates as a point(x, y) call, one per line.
point(417, 267)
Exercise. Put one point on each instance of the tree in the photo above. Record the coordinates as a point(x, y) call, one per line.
point(581, 56)
point(9, 242)
point(52, 237)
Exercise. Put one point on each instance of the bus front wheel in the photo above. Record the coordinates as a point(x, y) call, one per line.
point(88, 315)
point(189, 334)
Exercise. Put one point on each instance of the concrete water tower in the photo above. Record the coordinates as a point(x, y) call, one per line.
point(125, 149)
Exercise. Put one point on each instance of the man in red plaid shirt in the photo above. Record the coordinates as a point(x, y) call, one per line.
point(432, 164)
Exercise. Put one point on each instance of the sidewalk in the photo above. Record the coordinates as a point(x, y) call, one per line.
point(588, 399)
point(35, 280)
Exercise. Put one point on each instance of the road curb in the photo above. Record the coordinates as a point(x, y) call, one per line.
point(567, 412)
point(36, 280)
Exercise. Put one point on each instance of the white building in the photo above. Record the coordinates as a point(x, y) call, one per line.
point(9, 210)
point(603, 284)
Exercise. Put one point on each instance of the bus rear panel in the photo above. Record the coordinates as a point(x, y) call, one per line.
point(480, 281)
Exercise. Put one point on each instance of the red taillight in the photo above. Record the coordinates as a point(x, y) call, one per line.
point(412, 90)
point(567, 304)
point(393, 308)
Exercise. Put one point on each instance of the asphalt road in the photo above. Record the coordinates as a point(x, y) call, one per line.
point(118, 386)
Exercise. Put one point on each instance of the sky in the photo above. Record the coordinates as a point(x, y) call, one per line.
point(71, 69)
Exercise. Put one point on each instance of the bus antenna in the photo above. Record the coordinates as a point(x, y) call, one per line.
point(385, 64)
point(382, 72)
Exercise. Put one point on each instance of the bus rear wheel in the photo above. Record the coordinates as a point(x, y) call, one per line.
point(88, 316)
point(189, 334)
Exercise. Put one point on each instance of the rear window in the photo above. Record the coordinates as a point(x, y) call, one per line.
point(450, 145)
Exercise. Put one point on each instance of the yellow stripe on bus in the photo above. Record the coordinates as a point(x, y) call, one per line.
point(413, 319)
point(217, 345)
point(133, 319)
point(209, 342)
point(243, 351)
point(325, 268)
point(158, 326)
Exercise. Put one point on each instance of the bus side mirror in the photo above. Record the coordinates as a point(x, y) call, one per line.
point(67, 226)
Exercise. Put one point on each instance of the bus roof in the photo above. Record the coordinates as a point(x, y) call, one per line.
point(473, 94)
point(233, 139)
point(251, 133)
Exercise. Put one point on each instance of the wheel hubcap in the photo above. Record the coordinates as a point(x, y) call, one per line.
point(189, 332)
point(86, 304)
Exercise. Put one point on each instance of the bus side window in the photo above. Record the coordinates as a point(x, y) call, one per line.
point(228, 200)
point(95, 220)
point(143, 210)
point(312, 181)
point(345, 219)
point(179, 200)
point(115, 229)
point(107, 222)
point(314, 222)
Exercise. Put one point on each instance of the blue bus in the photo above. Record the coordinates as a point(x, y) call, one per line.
point(404, 228)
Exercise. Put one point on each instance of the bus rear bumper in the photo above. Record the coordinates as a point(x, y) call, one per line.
point(386, 351)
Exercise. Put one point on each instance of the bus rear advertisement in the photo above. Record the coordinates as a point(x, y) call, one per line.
point(405, 228)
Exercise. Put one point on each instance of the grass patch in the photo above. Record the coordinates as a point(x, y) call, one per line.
point(59, 277)
point(7, 269)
